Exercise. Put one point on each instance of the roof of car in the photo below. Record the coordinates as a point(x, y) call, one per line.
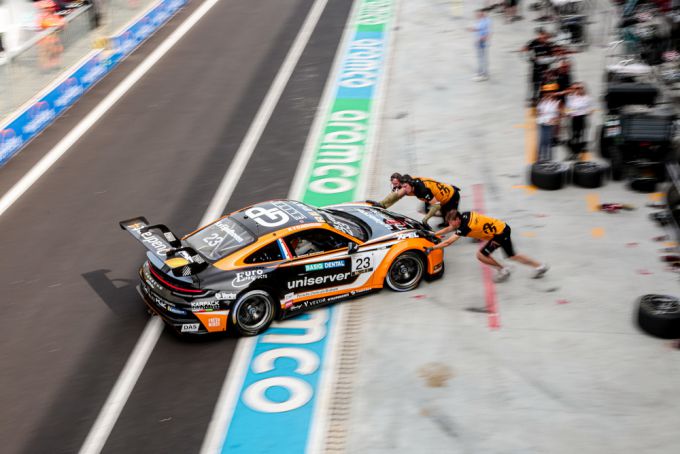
point(273, 215)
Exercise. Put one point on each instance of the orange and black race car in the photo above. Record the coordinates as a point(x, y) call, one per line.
point(276, 259)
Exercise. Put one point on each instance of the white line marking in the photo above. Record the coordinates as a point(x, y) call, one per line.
point(86, 123)
point(126, 381)
point(229, 394)
point(319, 427)
point(114, 404)
point(244, 152)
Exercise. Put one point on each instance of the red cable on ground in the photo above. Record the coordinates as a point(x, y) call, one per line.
point(489, 288)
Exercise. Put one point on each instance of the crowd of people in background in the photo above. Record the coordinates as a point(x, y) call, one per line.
point(555, 94)
point(558, 99)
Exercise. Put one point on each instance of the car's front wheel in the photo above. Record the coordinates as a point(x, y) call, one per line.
point(406, 272)
point(253, 312)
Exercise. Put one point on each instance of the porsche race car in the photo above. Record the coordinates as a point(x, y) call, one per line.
point(277, 259)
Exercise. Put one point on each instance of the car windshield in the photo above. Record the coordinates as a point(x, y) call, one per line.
point(346, 223)
point(220, 239)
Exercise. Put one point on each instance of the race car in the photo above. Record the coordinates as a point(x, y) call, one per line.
point(277, 259)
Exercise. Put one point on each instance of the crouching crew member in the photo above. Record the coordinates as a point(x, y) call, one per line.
point(497, 234)
point(438, 196)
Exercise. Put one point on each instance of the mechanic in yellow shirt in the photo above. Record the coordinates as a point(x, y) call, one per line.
point(496, 233)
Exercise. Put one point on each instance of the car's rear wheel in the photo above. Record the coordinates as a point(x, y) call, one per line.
point(253, 312)
point(406, 272)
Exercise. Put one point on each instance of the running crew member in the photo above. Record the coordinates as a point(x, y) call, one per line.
point(497, 234)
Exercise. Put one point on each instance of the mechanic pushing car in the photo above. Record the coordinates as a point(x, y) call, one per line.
point(497, 234)
point(431, 192)
point(393, 197)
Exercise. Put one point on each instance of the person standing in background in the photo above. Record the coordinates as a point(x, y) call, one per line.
point(578, 106)
point(4, 25)
point(547, 116)
point(482, 30)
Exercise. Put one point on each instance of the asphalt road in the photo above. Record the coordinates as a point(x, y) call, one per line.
point(71, 314)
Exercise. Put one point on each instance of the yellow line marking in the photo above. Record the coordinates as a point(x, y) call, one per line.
point(593, 201)
point(670, 243)
point(530, 139)
point(528, 234)
point(655, 196)
point(529, 188)
point(520, 126)
point(597, 232)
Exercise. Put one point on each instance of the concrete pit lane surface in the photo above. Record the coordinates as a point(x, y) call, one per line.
point(460, 365)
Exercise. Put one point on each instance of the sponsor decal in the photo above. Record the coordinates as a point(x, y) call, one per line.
point(225, 296)
point(40, 115)
point(244, 278)
point(213, 322)
point(145, 29)
point(68, 91)
point(325, 265)
point(127, 42)
point(158, 245)
point(438, 267)
point(309, 281)
point(403, 236)
point(190, 327)
point(9, 143)
point(395, 222)
point(205, 305)
point(94, 71)
point(229, 231)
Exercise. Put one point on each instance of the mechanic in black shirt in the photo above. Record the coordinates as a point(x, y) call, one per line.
point(542, 54)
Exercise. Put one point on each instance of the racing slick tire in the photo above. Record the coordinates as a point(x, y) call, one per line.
point(587, 174)
point(659, 315)
point(549, 175)
point(646, 185)
point(405, 272)
point(252, 313)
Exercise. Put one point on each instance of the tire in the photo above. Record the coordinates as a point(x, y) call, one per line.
point(549, 175)
point(644, 184)
point(587, 174)
point(659, 315)
point(605, 144)
point(617, 165)
point(405, 272)
point(252, 313)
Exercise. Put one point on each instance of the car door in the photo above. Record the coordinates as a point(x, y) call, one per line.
point(323, 264)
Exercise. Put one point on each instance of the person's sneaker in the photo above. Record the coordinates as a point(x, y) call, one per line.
point(541, 270)
point(502, 275)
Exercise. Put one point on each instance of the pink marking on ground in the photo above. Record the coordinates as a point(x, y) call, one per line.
point(493, 318)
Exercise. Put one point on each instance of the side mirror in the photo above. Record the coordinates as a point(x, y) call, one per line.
point(352, 248)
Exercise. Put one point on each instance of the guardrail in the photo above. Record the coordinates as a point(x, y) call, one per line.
point(31, 120)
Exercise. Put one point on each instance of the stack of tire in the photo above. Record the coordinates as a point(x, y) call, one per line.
point(659, 315)
point(553, 175)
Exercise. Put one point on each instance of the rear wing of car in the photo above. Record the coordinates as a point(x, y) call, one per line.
point(160, 241)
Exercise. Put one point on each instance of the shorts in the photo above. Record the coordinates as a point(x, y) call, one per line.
point(501, 240)
point(452, 204)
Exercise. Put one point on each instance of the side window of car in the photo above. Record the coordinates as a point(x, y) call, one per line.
point(314, 241)
point(269, 253)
